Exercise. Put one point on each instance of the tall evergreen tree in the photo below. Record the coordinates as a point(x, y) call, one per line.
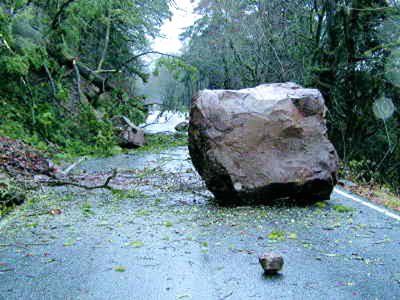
point(345, 48)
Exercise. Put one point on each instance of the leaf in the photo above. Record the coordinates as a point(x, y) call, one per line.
point(276, 235)
point(320, 204)
point(143, 212)
point(32, 225)
point(120, 269)
point(293, 236)
point(332, 254)
point(183, 296)
point(168, 224)
point(135, 244)
point(69, 243)
point(342, 208)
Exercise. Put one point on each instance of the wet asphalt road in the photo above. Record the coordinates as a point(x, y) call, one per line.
point(161, 241)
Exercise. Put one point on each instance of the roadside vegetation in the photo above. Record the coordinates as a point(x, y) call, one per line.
point(67, 67)
point(157, 142)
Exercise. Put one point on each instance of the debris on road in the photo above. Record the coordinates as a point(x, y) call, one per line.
point(271, 263)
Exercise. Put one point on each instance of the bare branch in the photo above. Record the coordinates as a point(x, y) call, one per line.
point(106, 42)
point(86, 187)
point(23, 245)
point(53, 86)
point(78, 80)
point(147, 53)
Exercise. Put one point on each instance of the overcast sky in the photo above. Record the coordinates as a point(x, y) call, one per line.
point(183, 17)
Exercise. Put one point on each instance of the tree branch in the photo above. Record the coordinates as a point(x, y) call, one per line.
point(105, 185)
point(106, 42)
point(78, 80)
point(84, 71)
point(68, 170)
point(53, 86)
point(56, 21)
point(146, 53)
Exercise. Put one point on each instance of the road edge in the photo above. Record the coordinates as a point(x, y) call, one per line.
point(368, 204)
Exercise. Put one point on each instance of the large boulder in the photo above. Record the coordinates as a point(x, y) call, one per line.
point(263, 144)
point(128, 135)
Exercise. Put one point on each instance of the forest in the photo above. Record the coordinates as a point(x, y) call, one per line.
point(68, 66)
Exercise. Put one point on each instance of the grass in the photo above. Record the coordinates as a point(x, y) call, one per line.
point(158, 142)
point(388, 200)
point(378, 194)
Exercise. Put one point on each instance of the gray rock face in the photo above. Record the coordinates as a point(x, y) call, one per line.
point(262, 144)
point(271, 263)
point(129, 135)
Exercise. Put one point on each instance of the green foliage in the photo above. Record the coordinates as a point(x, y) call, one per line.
point(17, 65)
point(177, 67)
point(157, 142)
point(81, 134)
point(276, 235)
point(354, 76)
point(388, 200)
point(348, 50)
point(38, 82)
point(362, 171)
point(342, 208)
point(130, 107)
point(320, 204)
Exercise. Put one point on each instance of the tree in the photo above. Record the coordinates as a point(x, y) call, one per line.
point(349, 49)
point(64, 57)
point(350, 71)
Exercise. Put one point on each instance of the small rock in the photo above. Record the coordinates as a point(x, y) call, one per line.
point(182, 126)
point(128, 135)
point(271, 263)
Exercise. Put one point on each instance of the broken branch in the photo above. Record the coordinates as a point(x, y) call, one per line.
point(68, 170)
point(23, 245)
point(86, 187)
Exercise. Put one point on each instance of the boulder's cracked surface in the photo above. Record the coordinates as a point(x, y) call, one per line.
point(262, 144)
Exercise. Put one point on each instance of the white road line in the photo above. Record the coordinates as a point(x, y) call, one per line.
point(370, 205)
